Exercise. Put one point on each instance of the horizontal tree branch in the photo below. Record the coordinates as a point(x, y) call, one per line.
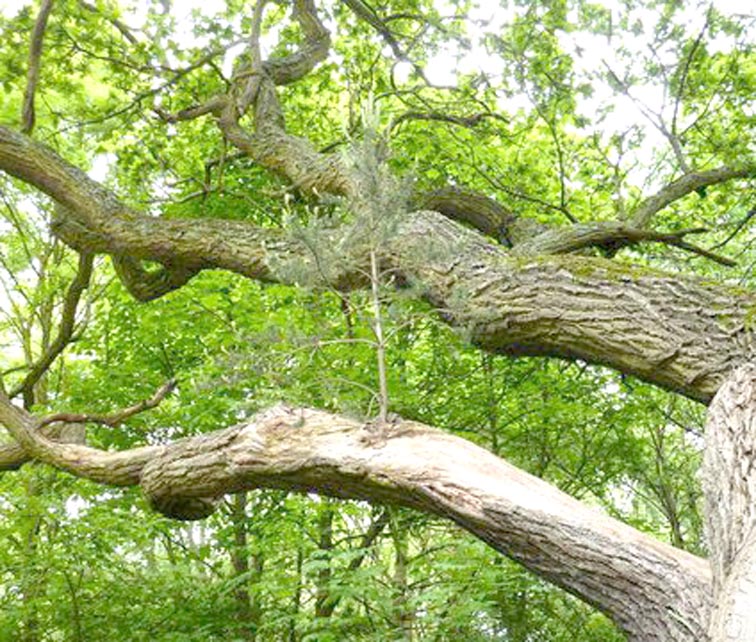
point(113, 419)
point(635, 579)
point(677, 332)
point(462, 121)
point(611, 236)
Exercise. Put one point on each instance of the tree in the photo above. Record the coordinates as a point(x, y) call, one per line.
point(545, 274)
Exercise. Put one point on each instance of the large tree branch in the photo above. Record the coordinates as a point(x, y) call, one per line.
point(683, 186)
point(311, 52)
point(677, 332)
point(644, 585)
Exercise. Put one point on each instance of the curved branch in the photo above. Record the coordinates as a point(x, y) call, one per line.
point(611, 236)
point(314, 50)
point(65, 330)
point(28, 116)
point(652, 590)
point(115, 418)
point(113, 468)
point(680, 333)
point(122, 28)
point(683, 186)
point(146, 285)
point(482, 212)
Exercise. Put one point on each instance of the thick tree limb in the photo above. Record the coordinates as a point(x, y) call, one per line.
point(314, 49)
point(729, 483)
point(483, 213)
point(407, 463)
point(146, 285)
point(683, 186)
point(13, 456)
point(28, 116)
point(677, 332)
point(112, 468)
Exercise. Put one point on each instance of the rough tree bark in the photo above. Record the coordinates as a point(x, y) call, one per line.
point(730, 488)
point(652, 590)
point(534, 297)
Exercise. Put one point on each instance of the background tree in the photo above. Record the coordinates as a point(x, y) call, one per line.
point(248, 262)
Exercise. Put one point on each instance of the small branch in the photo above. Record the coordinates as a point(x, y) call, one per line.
point(177, 76)
point(212, 106)
point(746, 219)
point(686, 70)
point(115, 418)
point(366, 13)
point(28, 115)
point(373, 532)
point(65, 331)
point(125, 31)
point(515, 193)
point(682, 187)
point(462, 121)
point(611, 236)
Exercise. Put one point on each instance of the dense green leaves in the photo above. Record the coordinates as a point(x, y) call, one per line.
point(563, 111)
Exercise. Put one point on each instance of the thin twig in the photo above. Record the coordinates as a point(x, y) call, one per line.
point(65, 331)
point(115, 418)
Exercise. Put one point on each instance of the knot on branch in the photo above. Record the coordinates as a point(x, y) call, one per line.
point(184, 508)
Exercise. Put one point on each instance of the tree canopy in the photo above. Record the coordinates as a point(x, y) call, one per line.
point(476, 268)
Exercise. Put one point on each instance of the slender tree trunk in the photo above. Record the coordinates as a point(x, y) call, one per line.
point(77, 632)
point(240, 563)
point(32, 579)
point(297, 597)
point(730, 489)
point(403, 614)
point(325, 572)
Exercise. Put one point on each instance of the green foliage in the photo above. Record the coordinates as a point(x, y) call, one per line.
point(80, 562)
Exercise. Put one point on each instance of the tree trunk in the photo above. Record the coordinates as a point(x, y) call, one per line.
point(730, 489)
point(241, 569)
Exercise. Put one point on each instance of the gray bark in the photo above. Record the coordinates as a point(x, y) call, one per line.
point(680, 333)
point(730, 487)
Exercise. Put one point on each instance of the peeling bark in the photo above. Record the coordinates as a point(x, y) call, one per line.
point(651, 590)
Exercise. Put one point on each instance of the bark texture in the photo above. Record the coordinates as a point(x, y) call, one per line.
point(730, 486)
point(680, 333)
point(653, 591)
point(539, 295)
